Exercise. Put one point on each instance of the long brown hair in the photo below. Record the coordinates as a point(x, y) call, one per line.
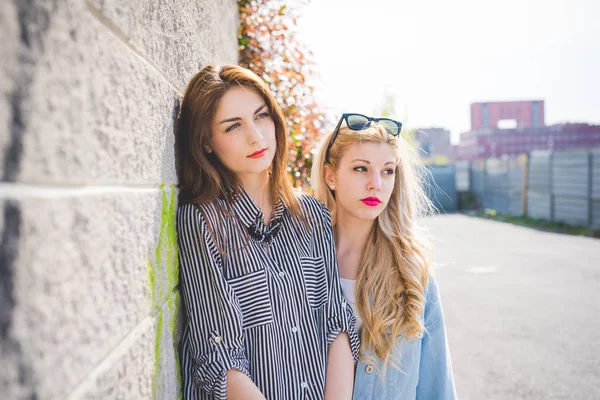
point(202, 177)
point(395, 264)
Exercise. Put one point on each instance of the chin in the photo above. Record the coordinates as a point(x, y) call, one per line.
point(257, 168)
point(370, 215)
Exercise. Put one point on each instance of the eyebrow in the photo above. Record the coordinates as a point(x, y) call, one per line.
point(368, 162)
point(238, 118)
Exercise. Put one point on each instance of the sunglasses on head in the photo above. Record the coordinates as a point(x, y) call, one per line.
point(359, 122)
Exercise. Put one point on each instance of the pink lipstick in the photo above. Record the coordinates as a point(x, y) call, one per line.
point(371, 201)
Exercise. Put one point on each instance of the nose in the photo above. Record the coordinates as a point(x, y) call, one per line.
point(254, 134)
point(374, 183)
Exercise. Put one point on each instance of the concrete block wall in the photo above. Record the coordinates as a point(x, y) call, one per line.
point(88, 302)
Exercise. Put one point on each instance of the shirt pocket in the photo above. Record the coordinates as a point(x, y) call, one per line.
point(252, 292)
point(315, 280)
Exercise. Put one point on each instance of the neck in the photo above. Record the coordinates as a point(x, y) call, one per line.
point(351, 235)
point(257, 187)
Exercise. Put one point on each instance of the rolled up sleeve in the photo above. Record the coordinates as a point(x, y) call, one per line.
point(214, 341)
point(340, 317)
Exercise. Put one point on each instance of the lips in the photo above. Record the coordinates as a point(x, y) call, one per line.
point(371, 201)
point(258, 154)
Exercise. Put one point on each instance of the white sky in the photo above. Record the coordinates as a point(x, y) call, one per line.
point(436, 57)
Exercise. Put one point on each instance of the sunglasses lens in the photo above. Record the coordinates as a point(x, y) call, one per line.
point(357, 122)
point(390, 126)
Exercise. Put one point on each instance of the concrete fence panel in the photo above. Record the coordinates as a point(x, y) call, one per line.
point(571, 187)
point(539, 192)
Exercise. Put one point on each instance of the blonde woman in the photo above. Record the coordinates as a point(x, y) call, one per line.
point(367, 175)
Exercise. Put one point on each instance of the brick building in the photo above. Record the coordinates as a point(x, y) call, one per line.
point(526, 114)
point(488, 139)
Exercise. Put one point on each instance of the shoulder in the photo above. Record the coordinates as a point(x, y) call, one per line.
point(433, 305)
point(186, 212)
point(312, 207)
point(432, 290)
point(188, 220)
point(199, 214)
point(308, 202)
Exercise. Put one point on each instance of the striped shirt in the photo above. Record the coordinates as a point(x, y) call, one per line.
point(268, 310)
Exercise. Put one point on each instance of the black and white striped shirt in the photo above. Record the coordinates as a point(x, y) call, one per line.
point(268, 310)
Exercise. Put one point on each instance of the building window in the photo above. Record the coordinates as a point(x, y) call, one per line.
point(485, 115)
point(535, 114)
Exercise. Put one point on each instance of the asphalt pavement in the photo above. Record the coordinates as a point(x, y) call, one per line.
point(522, 309)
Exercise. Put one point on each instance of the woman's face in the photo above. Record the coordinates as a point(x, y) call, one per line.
point(243, 132)
point(364, 180)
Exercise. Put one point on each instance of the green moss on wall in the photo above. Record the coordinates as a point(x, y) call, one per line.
point(163, 275)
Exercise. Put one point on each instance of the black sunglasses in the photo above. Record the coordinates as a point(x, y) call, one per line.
point(358, 122)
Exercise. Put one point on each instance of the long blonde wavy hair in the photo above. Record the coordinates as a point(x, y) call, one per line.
point(394, 267)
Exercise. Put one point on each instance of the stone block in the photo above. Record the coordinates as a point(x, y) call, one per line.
point(88, 270)
point(93, 111)
point(144, 365)
point(179, 37)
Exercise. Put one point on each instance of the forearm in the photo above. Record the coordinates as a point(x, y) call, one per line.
point(240, 387)
point(339, 382)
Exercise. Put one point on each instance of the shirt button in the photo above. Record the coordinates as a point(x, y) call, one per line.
point(281, 274)
point(217, 339)
point(294, 329)
point(303, 385)
point(369, 369)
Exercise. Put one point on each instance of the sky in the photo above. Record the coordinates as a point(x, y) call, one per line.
point(436, 57)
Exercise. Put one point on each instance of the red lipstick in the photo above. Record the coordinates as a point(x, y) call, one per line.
point(371, 201)
point(258, 154)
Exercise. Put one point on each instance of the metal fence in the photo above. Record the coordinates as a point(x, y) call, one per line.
point(571, 187)
point(539, 183)
point(595, 184)
point(463, 174)
point(496, 193)
point(559, 186)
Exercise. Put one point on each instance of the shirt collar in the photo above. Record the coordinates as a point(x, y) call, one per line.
point(249, 212)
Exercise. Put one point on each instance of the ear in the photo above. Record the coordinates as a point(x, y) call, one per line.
point(329, 176)
point(207, 149)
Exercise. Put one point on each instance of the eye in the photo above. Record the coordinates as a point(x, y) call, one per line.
point(360, 168)
point(389, 171)
point(232, 127)
point(262, 115)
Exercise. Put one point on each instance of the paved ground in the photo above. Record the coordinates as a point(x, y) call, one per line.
point(522, 309)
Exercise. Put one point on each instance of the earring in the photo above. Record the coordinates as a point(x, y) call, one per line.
point(207, 149)
point(332, 187)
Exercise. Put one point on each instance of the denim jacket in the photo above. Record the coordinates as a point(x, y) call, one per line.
point(425, 363)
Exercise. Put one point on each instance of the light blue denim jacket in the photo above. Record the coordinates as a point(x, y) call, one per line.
point(425, 362)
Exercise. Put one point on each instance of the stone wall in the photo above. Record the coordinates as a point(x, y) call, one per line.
point(88, 262)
